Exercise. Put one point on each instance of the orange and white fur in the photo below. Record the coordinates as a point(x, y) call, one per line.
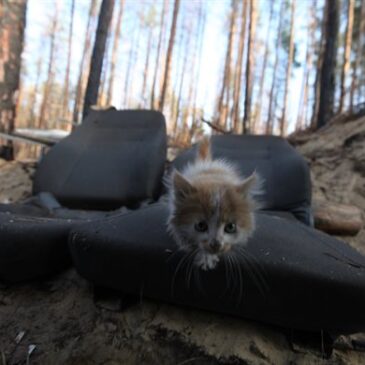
point(211, 207)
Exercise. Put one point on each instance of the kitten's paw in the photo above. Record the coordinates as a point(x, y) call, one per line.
point(207, 262)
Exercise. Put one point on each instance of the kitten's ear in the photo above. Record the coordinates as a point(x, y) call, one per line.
point(204, 150)
point(181, 185)
point(248, 185)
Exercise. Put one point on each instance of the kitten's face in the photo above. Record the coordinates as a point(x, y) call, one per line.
point(211, 218)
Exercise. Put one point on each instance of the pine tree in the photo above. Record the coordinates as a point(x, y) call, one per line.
point(84, 57)
point(347, 53)
point(167, 72)
point(288, 70)
point(270, 115)
point(249, 69)
point(91, 94)
point(327, 80)
point(13, 17)
point(117, 32)
point(50, 71)
point(67, 74)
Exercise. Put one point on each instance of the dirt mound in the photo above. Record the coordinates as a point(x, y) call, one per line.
point(15, 180)
point(336, 156)
point(68, 325)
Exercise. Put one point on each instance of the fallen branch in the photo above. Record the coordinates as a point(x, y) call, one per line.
point(217, 128)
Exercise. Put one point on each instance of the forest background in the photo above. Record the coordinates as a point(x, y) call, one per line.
point(252, 66)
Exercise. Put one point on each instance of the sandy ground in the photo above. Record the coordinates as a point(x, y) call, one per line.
point(68, 324)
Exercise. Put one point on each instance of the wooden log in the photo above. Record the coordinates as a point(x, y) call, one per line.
point(337, 219)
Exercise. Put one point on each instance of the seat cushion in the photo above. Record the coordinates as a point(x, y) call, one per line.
point(113, 158)
point(289, 275)
point(285, 174)
point(32, 246)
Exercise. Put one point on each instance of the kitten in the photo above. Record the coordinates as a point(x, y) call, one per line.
point(211, 207)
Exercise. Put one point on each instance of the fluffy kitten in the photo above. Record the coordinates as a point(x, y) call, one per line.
point(211, 207)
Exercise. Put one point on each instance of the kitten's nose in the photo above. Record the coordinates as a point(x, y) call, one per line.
point(214, 245)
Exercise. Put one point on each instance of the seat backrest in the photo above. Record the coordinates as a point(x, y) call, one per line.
point(285, 174)
point(113, 158)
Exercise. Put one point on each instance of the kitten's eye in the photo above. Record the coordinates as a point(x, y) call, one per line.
point(201, 226)
point(230, 228)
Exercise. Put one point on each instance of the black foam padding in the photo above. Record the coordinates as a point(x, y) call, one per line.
point(32, 247)
point(113, 158)
point(295, 277)
point(285, 174)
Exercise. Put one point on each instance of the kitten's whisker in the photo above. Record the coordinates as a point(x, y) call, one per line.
point(240, 279)
point(198, 278)
point(190, 265)
point(179, 265)
point(233, 271)
point(255, 274)
point(175, 253)
point(226, 272)
point(258, 269)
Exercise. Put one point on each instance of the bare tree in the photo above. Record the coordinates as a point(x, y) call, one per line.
point(182, 77)
point(327, 87)
point(67, 74)
point(303, 99)
point(270, 115)
point(249, 68)
point(13, 16)
point(32, 117)
point(147, 64)
point(319, 62)
point(117, 32)
point(347, 53)
point(131, 58)
point(84, 56)
point(238, 73)
point(359, 54)
point(288, 69)
point(169, 55)
point(201, 31)
point(259, 102)
point(158, 53)
point(222, 109)
point(91, 94)
point(50, 72)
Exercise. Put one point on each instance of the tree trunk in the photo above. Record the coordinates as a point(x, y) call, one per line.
point(67, 74)
point(359, 55)
point(303, 100)
point(182, 79)
point(169, 55)
point(158, 55)
point(347, 53)
point(101, 99)
point(319, 63)
point(146, 68)
point(227, 65)
point(91, 94)
point(201, 28)
point(246, 122)
point(109, 97)
point(327, 81)
point(270, 114)
point(50, 72)
point(32, 102)
point(85, 55)
point(288, 70)
point(238, 75)
point(260, 98)
point(13, 17)
point(137, 31)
